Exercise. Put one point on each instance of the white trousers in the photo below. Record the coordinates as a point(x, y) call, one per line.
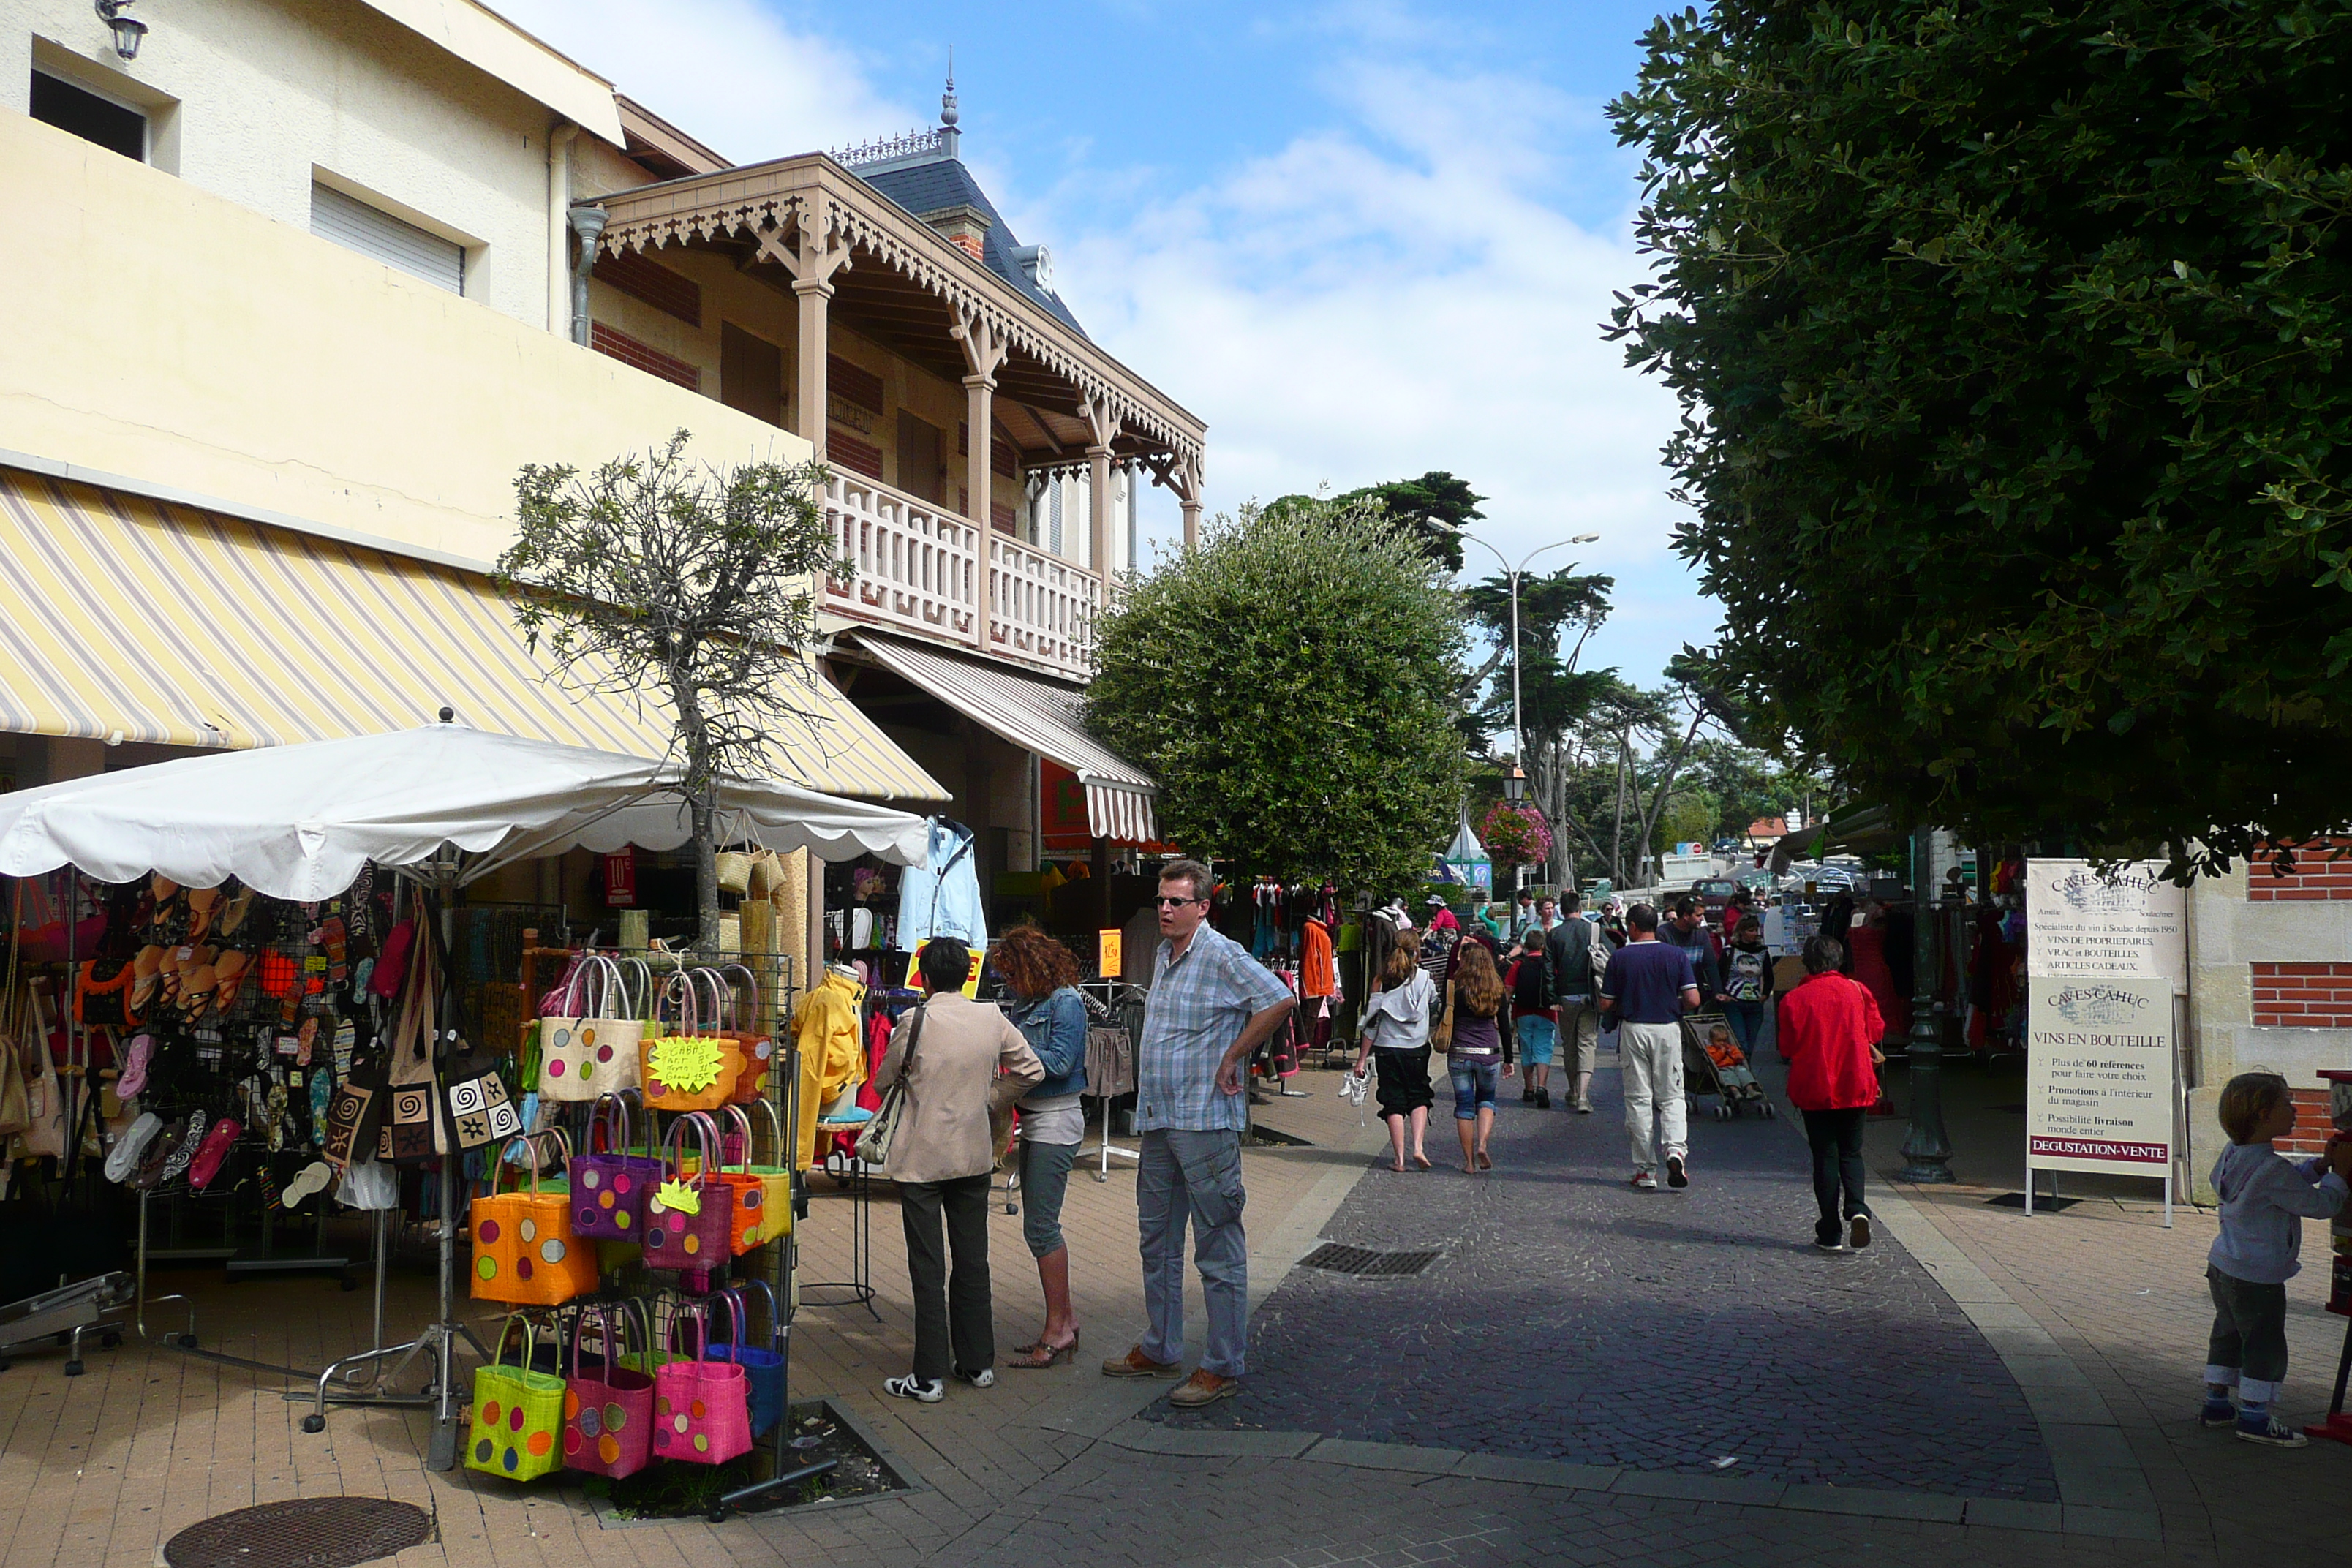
point(1652, 1058)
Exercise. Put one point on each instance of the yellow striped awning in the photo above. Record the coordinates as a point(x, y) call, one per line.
point(178, 627)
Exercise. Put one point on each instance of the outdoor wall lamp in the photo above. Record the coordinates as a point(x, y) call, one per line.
point(128, 29)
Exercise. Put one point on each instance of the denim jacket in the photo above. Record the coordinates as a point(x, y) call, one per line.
point(1055, 1027)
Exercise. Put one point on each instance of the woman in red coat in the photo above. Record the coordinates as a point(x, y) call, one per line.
point(1829, 1029)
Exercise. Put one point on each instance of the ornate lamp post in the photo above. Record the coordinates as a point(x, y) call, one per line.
point(1926, 1148)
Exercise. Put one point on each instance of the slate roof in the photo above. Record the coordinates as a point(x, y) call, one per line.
point(930, 185)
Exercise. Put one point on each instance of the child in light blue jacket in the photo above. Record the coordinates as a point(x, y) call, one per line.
point(2265, 1197)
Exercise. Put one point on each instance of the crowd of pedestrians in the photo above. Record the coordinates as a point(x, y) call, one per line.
point(1494, 1004)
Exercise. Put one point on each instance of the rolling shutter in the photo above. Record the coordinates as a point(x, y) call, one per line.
point(356, 225)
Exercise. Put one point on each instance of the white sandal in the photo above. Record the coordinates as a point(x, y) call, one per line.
point(913, 1387)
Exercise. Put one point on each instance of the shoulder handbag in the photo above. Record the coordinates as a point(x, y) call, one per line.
point(693, 1068)
point(1441, 1032)
point(690, 1216)
point(590, 1047)
point(525, 1253)
point(881, 1133)
point(517, 1413)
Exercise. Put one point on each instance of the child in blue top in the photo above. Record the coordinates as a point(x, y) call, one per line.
point(2264, 1197)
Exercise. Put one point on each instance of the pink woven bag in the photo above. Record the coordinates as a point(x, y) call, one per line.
point(702, 1409)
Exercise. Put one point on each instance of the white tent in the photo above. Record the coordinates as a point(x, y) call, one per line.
point(296, 822)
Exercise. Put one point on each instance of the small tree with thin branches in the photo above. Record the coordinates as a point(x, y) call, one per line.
point(655, 577)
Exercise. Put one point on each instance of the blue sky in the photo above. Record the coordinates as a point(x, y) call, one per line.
point(1361, 241)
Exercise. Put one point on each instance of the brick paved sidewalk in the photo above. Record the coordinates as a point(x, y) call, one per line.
point(1052, 1468)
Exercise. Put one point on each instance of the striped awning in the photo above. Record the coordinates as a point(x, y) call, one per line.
point(1039, 715)
point(123, 617)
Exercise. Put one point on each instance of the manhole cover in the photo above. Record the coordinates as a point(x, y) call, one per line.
point(307, 1532)
point(1366, 1262)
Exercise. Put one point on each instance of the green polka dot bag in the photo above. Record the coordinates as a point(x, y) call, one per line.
point(518, 1425)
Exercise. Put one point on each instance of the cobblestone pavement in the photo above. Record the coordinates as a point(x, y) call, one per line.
point(1571, 1316)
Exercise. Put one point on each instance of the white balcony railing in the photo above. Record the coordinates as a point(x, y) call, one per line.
point(914, 562)
point(1044, 608)
point(918, 570)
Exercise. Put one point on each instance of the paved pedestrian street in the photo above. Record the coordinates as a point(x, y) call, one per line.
point(1570, 1316)
point(1555, 1389)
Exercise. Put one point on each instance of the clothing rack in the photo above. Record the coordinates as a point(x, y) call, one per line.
point(1105, 993)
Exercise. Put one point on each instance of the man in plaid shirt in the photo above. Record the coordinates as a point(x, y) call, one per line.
point(1211, 1005)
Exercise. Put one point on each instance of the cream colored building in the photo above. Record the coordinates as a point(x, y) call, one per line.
point(296, 286)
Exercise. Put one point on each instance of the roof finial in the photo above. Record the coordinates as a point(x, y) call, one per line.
point(949, 136)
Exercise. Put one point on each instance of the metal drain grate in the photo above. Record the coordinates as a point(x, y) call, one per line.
point(1365, 1263)
point(307, 1532)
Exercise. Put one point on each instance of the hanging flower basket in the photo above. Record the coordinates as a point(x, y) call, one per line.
point(1515, 835)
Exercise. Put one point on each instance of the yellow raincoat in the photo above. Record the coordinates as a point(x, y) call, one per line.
point(832, 1051)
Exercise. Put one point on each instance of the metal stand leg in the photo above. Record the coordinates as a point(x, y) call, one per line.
point(1107, 1148)
point(859, 1286)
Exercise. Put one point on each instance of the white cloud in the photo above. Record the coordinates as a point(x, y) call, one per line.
point(729, 73)
point(1350, 310)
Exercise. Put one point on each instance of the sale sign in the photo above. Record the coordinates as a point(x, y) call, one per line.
point(2099, 1076)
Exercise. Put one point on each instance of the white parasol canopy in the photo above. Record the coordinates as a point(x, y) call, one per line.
point(297, 822)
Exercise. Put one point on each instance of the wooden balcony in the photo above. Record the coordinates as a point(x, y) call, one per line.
point(918, 569)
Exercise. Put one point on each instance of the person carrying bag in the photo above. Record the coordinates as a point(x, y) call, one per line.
point(938, 1148)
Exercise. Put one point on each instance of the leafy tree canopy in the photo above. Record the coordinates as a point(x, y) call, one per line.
point(1291, 681)
point(2010, 339)
point(1435, 509)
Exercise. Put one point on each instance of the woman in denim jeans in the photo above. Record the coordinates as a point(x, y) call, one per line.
point(1052, 1017)
point(1480, 1054)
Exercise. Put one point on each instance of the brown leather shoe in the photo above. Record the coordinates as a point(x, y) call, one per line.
point(1134, 1364)
point(1204, 1388)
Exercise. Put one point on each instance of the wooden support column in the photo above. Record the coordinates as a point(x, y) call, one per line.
point(1103, 425)
point(815, 254)
point(1188, 495)
point(983, 354)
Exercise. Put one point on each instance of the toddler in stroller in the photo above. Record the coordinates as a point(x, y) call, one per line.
point(1731, 1068)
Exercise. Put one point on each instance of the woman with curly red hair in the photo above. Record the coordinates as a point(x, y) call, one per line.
point(1043, 976)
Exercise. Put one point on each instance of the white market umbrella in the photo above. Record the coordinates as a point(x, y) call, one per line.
point(297, 822)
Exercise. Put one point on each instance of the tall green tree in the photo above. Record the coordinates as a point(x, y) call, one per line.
point(1291, 681)
point(653, 574)
point(2011, 339)
point(1433, 510)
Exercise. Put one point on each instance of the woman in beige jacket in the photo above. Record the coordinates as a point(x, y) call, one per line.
point(968, 1060)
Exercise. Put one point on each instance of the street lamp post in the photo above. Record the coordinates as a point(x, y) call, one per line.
point(1926, 1148)
point(1515, 789)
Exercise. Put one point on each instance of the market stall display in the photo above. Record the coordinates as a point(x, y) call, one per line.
point(191, 851)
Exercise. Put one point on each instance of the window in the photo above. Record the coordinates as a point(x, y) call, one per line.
point(61, 103)
point(356, 225)
point(750, 373)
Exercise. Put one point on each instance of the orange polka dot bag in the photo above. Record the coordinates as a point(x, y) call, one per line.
point(525, 1252)
point(702, 1409)
point(518, 1413)
point(608, 1409)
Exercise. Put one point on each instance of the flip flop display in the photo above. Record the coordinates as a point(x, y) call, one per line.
point(183, 1151)
point(212, 1152)
point(136, 1060)
point(123, 1160)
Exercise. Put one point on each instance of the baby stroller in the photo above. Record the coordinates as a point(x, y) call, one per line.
point(1720, 1070)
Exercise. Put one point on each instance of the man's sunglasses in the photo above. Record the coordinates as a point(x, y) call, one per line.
point(1165, 902)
